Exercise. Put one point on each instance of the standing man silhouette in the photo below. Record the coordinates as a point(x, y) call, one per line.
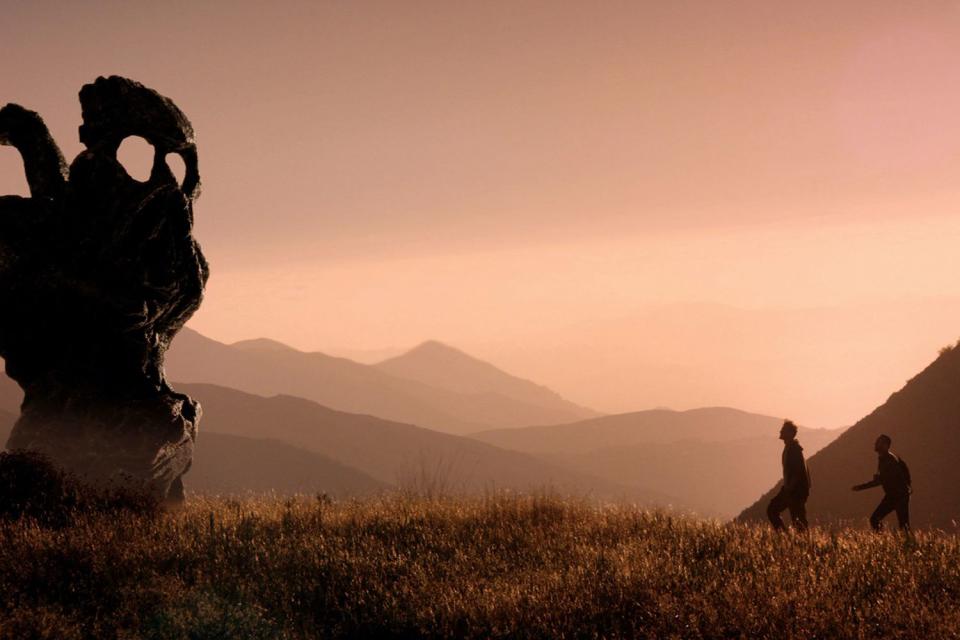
point(796, 482)
point(894, 476)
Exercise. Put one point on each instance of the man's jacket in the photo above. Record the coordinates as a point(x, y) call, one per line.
point(796, 480)
point(891, 475)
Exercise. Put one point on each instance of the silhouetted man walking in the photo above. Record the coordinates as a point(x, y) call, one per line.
point(796, 482)
point(894, 476)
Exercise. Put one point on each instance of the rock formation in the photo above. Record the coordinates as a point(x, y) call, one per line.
point(98, 272)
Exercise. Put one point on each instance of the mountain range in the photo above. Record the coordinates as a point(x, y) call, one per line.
point(923, 420)
point(394, 454)
point(714, 461)
point(471, 396)
point(286, 444)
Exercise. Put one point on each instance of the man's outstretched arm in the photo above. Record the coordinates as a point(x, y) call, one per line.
point(868, 485)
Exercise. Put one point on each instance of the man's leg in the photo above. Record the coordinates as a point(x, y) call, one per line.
point(903, 513)
point(883, 509)
point(798, 513)
point(775, 508)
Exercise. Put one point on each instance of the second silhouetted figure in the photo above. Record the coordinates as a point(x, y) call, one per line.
point(894, 476)
point(796, 482)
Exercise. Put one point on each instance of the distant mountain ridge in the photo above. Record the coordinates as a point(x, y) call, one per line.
point(711, 459)
point(287, 444)
point(444, 367)
point(266, 367)
point(707, 424)
point(394, 454)
point(923, 419)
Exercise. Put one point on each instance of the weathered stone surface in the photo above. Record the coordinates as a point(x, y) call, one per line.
point(98, 272)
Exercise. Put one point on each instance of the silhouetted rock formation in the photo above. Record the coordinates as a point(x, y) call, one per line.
point(97, 274)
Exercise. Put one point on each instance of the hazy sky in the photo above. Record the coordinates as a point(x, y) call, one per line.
point(637, 203)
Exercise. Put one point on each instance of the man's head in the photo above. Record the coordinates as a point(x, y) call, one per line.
point(788, 431)
point(882, 445)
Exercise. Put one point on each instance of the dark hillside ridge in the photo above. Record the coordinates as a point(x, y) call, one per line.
point(923, 419)
point(233, 465)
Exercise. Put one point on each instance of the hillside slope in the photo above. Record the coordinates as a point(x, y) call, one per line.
point(923, 418)
point(226, 464)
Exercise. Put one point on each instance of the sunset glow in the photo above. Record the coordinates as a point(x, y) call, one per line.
point(675, 204)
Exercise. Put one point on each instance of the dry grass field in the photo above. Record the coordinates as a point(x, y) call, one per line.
point(501, 566)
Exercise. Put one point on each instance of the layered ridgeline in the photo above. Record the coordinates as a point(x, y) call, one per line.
point(712, 460)
point(394, 454)
point(923, 419)
point(292, 445)
point(466, 394)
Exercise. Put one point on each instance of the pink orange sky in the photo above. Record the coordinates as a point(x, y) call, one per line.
point(637, 203)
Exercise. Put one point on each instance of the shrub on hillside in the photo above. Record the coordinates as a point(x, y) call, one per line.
point(31, 486)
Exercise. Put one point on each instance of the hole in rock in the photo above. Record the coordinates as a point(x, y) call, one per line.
point(177, 166)
point(13, 180)
point(136, 156)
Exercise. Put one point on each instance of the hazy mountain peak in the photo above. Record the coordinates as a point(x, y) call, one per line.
point(263, 345)
point(445, 367)
point(268, 367)
point(440, 351)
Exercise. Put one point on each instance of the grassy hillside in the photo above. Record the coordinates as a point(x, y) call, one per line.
point(923, 418)
point(501, 567)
